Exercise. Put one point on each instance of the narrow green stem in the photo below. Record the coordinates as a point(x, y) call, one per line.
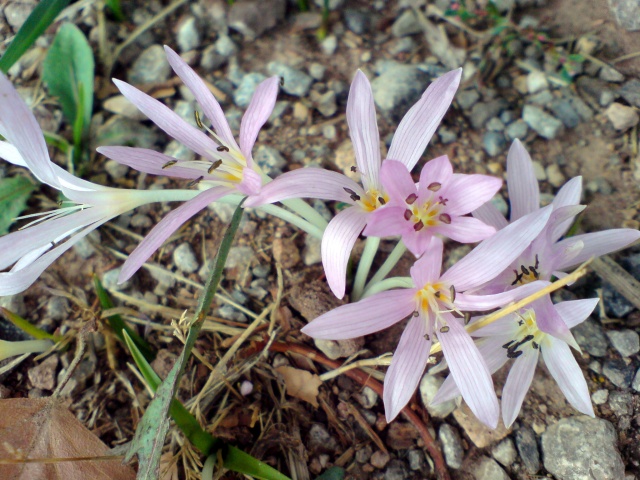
point(27, 327)
point(293, 219)
point(388, 284)
point(364, 266)
point(387, 266)
point(13, 349)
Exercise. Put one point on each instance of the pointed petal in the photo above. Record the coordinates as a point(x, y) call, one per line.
point(149, 161)
point(257, 114)
point(363, 128)
point(407, 367)
point(337, 242)
point(251, 182)
point(482, 303)
point(439, 170)
point(517, 384)
point(566, 371)
point(420, 123)
point(561, 219)
point(204, 97)
point(427, 268)
point(470, 373)
point(465, 230)
point(574, 312)
point(597, 244)
point(497, 252)
point(397, 181)
point(524, 194)
point(569, 194)
point(466, 193)
point(386, 222)
point(417, 242)
point(11, 154)
point(550, 321)
point(169, 121)
point(307, 182)
point(167, 226)
point(367, 316)
point(489, 214)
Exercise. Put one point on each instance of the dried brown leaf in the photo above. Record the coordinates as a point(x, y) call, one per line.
point(301, 384)
point(43, 428)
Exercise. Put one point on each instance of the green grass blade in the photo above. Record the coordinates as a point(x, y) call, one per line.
point(27, 327)
point(14, 193)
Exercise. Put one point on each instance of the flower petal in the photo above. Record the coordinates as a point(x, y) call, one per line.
point(482, 303)
point(439, 170)
point(465, 230)
point(566, 371)
point(407, 366)
point(251, 182)
point(149, 161)
point(417, 242)
point(497, 252)
point(11, 154)
point(524, 194)
point(490, 215)
point(574, 312)
point(596, 244)
point(169, 224)
point(397, 181)
point(307, 182)
point(256, 115)
point(517, 384)
point(569, 194)
point(466, 193)
point(210, 106)
point(369, 315)
point(420, 123)
point(386, 222)
point(363, 128)
point(470, 372)
point(337, 242)
point(427, 268)
point(551, 322)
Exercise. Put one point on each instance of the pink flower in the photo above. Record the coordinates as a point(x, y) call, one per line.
point(431, 303)
point(520, 337)
point(435, 206)
point(411, 138)
point(223, 164)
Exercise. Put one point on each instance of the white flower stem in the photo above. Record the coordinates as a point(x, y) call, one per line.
point(293, 219)
point(13, 349)
point(364, 266)
point(307, 212)
point(386, 267)
point(388, 284)
point(170, 195)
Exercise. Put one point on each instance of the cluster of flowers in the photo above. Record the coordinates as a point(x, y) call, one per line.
point(514, 259)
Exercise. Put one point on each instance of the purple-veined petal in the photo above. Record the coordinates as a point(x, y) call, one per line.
point(204, 97)
point(407, 366)
point(438, 170)
point(524, 194)
point(363, 128)
point(421, 121)
point(569, 194)
point(149, 161)
point(417, 242)
point(385, 222)
point(397, 181)
point(251, 181)
point(256, 115)
point(489, 214)
point(470, 372)
point(11, 154)
point(165, 228)
point(427, 267)
point(307, 182)
point(561, 219)
point(465, 230)
point(566, 371)
point(337, 242)
point(169, 121)
point(369, 315)
point(466, 193)
point(20, 128)
point(598, 243)
point(497, 252)
point(551, 322)
point(481, 303)
point(507, 325)
point(517, 384)
point(574, 312)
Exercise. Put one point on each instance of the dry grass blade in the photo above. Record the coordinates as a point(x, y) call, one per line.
point(619, 278)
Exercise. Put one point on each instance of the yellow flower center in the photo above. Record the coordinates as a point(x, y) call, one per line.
point(434, 299)
point(527, 336)
point(429, 213)
point(527, 274)
point(373, 199)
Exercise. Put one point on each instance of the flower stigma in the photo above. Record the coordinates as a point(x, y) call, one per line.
point(527, 335)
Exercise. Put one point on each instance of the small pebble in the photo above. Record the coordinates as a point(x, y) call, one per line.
point(185, 258)
point(627, 342)
point(600, 397)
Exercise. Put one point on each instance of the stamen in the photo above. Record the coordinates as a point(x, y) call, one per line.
point(408, 214)
point(222, 148)
point(427, 337)
point(214, 165)
point(524, 269)
point(515, 354)
point(195, 181)
point(418, 226)
point(411, 199)
point(434, 187)
point(198, 119)
point(535, 345)
point(444, 329)
point(518, 277)
point(443, 201)
point(170, 163)
point(467, 318)
point(354, 168)
point(445, 218)
point(382, 201)
point(508, 344)
point(534, 271)
point(437, 294)
point(355, 197)
point(520, 322)
point(349, 191)
point(452, 292)
point(537, 262)
point(282, 81)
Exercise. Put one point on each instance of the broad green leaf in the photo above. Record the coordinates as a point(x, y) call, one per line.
point(14, 193)
point(38, 21)
point(68, 72)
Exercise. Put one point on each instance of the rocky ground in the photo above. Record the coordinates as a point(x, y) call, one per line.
point(565, 84)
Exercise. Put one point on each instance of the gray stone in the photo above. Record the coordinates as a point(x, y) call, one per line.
point(630, 91)
point(618, 372)
point(554, 175)
point(495, 125)
point(244, 92)
point(627, 342)
point(17, 12)
point(493, 143)
point(621, 403)
point(563, 109)
point(140, 221)
point(240, 257)
point(517, 129)
point(397, 89)
point(230, 313)
point(406, 24)
point(119, 130)
point(396, 470)
point(615, 305)
point(416, 459)
point(636, 381)
point(357, 21)
point(488, 469)
point(311, 255)
point(116, 170)
point(467, 98)
point(325, 103)
point(429, 386)
point(85, 247)
point(621, 116)
point(582, 448)
point(261, 271)
point(269, 160)
point(541, 122)
point(600, 397)
point(610, 74)
point(110, 280)
point(150, 67)
point(482, 112)
point(329, 45)
point(402, 45)
point(57, 308)
point(296, 82)
point(185, 258)
point(333, 4)
point(451, 445)
point(537, 81)
point(505, 452)
point(507, 117)
point(447, 135)
point(590, 336)
point(211, 59)
point(317, 70)
point(367, 397)
point(187, 34)
point(225, 46)
point(254, 17)
point(528, 449)
point(627, 13)
point(320, 439)
point(14, 303)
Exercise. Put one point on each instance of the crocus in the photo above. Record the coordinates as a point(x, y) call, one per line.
point(519, 337)
point(31, 250)
point(431, 304)
point(411, 138)
point(435, 206)
point(224, 165)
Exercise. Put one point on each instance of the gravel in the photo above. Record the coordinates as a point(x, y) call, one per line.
point(563, 109)
point(150, 67)
point(618, 372)
point(493, 143)
point(467, 98)
point(296, 82)
point(627, 342)
point(621, 116)
point(541, 122)
point(505, 452)
point(406, 24)
point(483, 111)
point(488, 469)
point(528, 449)
point(590, 336)
point(187, 34)
point(269, 160)
point(397, 89)
point(630, 91)
point(244, 92)
point(185, 258)
point(517, 129)
point(429, 386)
point(451, 445)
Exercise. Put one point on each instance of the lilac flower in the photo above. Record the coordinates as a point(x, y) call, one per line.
point(223, 164)
point(411, 138)
point(519, 337)
point(431, 303)
point(31, 250)
point(434, 206)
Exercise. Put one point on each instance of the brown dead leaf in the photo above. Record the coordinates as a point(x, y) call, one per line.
point(301, 384)
point(43, 428)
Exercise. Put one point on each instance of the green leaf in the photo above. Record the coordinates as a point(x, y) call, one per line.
point(38, 21)
point(27, 326)
point(241, 462)
point(116, 11)
point(68, 72)
point(14, 193)
point(333, 473)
